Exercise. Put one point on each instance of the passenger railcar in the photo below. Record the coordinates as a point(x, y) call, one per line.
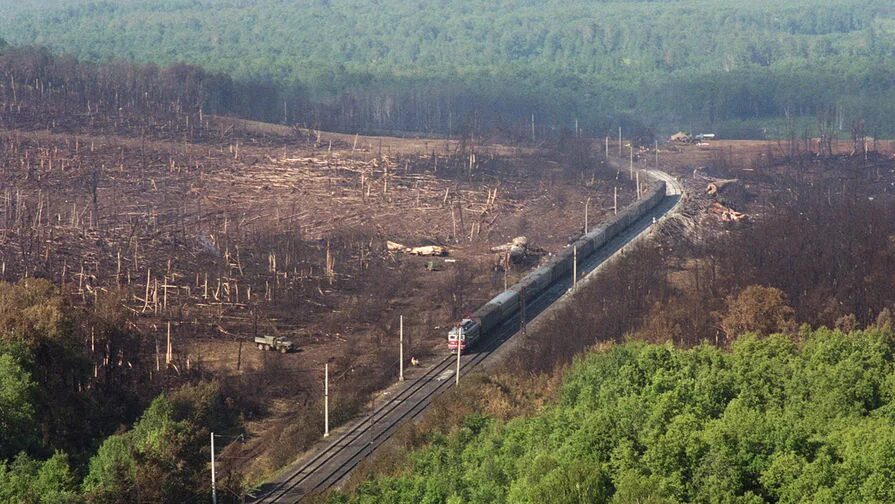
point(504, 305)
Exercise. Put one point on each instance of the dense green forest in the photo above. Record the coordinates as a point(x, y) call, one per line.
point(447, 65)
point(66, 406)
point(802, 418)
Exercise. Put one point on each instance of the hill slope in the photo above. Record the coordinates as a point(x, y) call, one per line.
point(771, 421)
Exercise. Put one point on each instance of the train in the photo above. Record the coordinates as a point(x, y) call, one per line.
point(503, 306)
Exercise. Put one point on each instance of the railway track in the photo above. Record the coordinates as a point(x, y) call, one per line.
point(442, 373)
point(335, 460)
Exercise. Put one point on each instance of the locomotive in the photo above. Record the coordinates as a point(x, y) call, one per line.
point(466, 333)
point(503, 306)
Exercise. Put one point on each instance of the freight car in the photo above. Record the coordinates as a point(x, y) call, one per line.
point(504, 305)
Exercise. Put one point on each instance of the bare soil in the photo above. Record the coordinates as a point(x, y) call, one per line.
point(758, 168)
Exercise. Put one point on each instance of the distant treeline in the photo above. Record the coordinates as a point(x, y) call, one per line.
point(39, 89)
point(459, 65)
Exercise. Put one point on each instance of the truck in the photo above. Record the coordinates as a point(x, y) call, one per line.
point(277, 343)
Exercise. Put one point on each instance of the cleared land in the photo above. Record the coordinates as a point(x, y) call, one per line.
point(215, 242)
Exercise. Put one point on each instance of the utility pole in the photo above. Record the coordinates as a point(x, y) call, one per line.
point(586, 205)
point(214, 491)
point(574, 267)
point(631, 165)
point(459, 351)
point(638, 184)
point(372, 422)
point(326, 400)
point(615, 200)
point(657, 154)
point(577, 131)
point(401, 331)
point(607, 147)
point(532, 127)
point(619, 141)
point(450, 126)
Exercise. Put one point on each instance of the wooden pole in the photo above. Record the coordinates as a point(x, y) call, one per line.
point(574, 267)
point(631, 165)
point(615, 200)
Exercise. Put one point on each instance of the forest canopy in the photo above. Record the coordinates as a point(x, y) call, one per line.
point(778, 419)
point(427, 65)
